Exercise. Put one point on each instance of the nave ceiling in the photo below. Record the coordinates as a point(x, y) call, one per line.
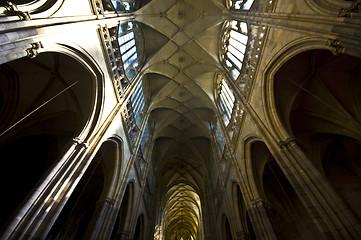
point(181, 51)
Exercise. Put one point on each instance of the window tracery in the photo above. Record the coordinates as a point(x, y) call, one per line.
point(120, 6)
point(225, 99)
point(137, 102)
point(234, 44)
point(240, 4)
point(135, 112)
point(130, 44)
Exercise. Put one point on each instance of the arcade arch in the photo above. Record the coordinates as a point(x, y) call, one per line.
point(47, 101)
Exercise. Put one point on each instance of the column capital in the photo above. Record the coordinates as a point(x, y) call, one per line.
point(258, 202)
point(355, 8)
point(106, 201)
point(81, 142)
point(287, 143)
point(336, 47)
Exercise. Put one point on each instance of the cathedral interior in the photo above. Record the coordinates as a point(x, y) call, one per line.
point(180, 119)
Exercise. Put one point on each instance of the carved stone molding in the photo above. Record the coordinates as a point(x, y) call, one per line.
point(32, 52)
point(12, 9)
point(261, 202)
point(107, 201)
point(287, 143)
point(336, 47)
point(355, 7)
point(80, 142)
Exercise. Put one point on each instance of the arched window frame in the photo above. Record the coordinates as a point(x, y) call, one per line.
point(131, 48)
point(240, 4)
point(225, 99)
point(234, 43)
point(137, 103)
point(120, 6)
point(31, 9)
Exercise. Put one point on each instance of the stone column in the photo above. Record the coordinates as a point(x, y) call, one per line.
point(262, 220)
point(36, 217)
point(329, 212)
point(242, 235)
point(125, 235)
point(103, 220)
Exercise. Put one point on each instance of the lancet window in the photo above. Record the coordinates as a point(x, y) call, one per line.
point(225, 99)
point(137, 102)
point(120, 6)
point(240, 4)
point(130, 45)
point(234, 44)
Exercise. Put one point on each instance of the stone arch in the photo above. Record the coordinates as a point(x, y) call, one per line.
point(37, 8)
point(139, 228)
point(288, 215)
point(340, 157)
point(241, 213)
point(93, 85)
point(317, 98)
point(121, 225)
point(86, 209)
point(319, 106)
point(75, 220)
point(113, 167)
point(281, 129)
point(253, 179)
point(226, 229)
point(59, 111)
point(258, 215)
point(102, 220)
point(329, 7)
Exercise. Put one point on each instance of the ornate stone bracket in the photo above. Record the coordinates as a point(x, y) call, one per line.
point(80, 142)
point(107, 201)
point(261, 202)
point(32, 52)
point(99, 10)
point(12, 9)
point(287, 143)
point(355, 7)
point(336, 47)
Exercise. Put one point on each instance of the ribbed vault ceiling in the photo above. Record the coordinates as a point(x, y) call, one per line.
point(182, 59)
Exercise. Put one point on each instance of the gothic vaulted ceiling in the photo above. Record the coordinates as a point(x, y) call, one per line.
point(182, 58)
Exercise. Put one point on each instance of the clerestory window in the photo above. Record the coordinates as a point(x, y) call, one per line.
point(234, 44)
point(240, 4)
point(137, 103)
point(130, 45)
point(120, 6)
point(225, 99)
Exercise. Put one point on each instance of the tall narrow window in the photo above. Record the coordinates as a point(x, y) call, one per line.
point(120, 5)
point(226, 100)
point(240, 4)
point(130, 45)
point(137, 102)
point(234, 43)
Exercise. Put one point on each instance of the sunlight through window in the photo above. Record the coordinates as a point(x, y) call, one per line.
point(226, 100)
point(241, 4)
point(235, 41)
point(129, 40)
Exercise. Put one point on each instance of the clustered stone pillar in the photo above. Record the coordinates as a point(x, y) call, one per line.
point(35, 219)
point(103, 220)
point(262, 220)
point(329, 212)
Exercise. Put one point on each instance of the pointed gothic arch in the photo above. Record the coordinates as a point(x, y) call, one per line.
point(55, 98)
